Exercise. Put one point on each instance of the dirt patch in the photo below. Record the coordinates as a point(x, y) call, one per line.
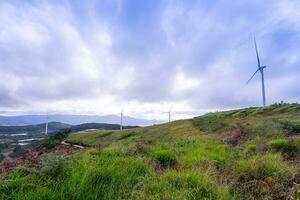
point(233, 137)
point(31, 157)
point(63, 149)
point(28, 158)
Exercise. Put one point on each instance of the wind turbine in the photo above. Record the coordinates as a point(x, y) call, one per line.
point(169, 112)
point(261, 70)
point(46, 130)
point(121, 124)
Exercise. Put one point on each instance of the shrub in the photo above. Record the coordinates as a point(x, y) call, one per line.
point(186, 184)
point(53, 166)
point(261, 176)
point(166, 158)
point(198, 186)
point(54, 140)
point(282, 145)
point(61, 135)
point(204, 153)
point(292, 126)
point(296, 143)
point(250, 148)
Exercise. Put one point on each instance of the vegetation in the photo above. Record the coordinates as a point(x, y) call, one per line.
point(52, 141)
point(187, 159)
point(166, 158)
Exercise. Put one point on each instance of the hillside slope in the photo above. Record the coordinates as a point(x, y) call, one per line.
point(249, 153)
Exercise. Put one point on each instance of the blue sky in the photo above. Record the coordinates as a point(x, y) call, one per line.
point(96, 56)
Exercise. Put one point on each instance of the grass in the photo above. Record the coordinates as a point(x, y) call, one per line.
point(180, 160)
point(166, 158)
point(282, 145)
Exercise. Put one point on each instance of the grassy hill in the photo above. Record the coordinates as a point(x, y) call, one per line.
point(250, 153)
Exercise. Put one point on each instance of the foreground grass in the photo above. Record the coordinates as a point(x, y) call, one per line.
point(179, 160)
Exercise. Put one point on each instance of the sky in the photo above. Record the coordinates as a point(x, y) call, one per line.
point(94, 57)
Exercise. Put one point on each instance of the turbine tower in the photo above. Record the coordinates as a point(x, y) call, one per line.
point(169, 112)
point(261, 70)
point(121, 124)
point(46, 130)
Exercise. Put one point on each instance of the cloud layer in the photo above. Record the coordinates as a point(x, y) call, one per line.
point(67, 56)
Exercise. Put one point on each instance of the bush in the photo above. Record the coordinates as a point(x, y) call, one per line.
point(61, 135)
point(198, 186)
point(250, 149)
point(186, 184)
point(282, 145)
point(54, 140)
point(292, 126)
point(53, 166)
point(165, 157)
point(262, 176)
point(296, 143)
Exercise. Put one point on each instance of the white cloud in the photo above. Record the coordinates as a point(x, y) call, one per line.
point(54, 57)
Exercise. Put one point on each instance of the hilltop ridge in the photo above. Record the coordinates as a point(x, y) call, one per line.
point(250, 153)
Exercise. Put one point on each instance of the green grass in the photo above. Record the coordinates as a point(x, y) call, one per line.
point(282, 145)
point(180, 160)
point(166, 158)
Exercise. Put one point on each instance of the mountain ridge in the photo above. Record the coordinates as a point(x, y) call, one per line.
point(74, 119)
point(54, 127)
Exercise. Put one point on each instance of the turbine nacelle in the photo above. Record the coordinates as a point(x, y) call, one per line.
point(262, 67)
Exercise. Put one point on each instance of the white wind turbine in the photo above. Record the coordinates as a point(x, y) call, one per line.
point(121, 124)
point(46, 129)
point(169, 112)
point(261, 70)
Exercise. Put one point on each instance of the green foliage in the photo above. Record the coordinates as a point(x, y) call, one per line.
point(252, 176)
point(250, 148)
point(260, 167)
point(296, 143)
point(53, 166)
point(54, 140)
point(106, 176)
point(203, 152)
point(191, 185)
point(282, 145)
point(166, 158)
point(213, 122)
point(292, 126)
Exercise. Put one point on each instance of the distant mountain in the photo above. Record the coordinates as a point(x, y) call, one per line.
point(54, 127)
point(34, 129)
point(74, 120)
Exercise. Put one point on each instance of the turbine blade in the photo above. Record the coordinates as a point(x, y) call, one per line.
point(252, 76)
point(170, 108)
point(257, 56)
